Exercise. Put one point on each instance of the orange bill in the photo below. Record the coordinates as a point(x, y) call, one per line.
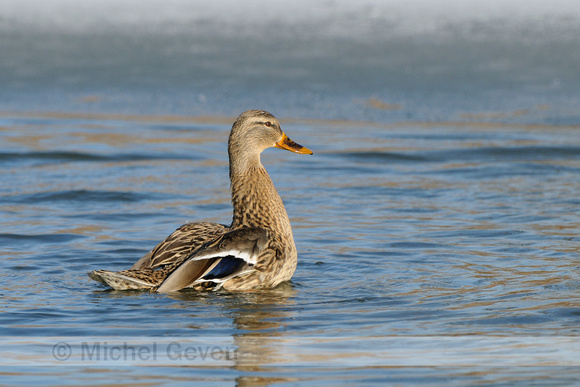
point(286, 143)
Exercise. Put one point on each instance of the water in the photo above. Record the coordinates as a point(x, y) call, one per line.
point(437, 222)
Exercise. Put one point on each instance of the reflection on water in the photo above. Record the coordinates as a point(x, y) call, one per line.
point(411, 238)
point(258, 320)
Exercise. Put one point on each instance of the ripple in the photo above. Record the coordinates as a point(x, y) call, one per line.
point(83, 196)
point(41, 238)
point(48, 157)
point(374, 156)
point(523, 153)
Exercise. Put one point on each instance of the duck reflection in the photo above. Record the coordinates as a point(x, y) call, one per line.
point(259, 319)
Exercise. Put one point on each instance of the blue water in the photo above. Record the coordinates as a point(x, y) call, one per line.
point(437, 222)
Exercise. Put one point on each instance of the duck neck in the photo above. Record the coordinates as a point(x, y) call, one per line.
point(255, 200)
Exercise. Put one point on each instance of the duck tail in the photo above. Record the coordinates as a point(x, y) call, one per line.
point(119, 281)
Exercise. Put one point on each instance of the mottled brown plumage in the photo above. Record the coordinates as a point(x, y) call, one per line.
point(256, 251)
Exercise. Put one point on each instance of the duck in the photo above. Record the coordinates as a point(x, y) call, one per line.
point(255, 251)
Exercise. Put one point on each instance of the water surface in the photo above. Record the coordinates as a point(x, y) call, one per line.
point(411, 238)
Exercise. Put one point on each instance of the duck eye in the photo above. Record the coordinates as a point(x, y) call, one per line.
point(268, 124)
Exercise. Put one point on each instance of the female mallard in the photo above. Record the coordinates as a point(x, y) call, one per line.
point(256, 251)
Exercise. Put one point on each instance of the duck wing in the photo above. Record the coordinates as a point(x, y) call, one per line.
point(153, 267)
point(232, 254)
point(180, 243)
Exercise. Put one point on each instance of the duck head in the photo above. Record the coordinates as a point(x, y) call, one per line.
point(253, 132)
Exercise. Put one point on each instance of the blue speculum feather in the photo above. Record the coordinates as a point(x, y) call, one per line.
point(227, 266)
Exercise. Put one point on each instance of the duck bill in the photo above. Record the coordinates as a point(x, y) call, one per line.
point(286, 143)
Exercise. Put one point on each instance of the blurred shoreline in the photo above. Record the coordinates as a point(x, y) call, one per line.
point(513, 62)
